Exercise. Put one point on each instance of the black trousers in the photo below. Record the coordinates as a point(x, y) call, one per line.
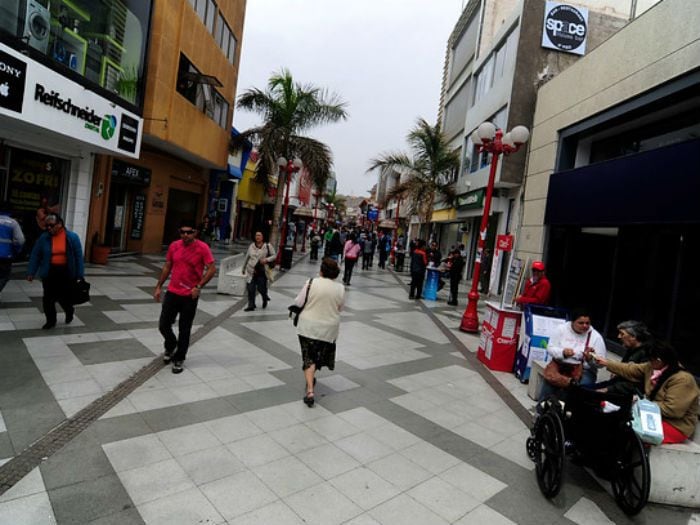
point(314, 252)
point(186, 307)
point(454, 288)
point(366, 258)
point(56, 287)
point(382, 258)
point(258, 283)
point(416, 285)
point(349, 265)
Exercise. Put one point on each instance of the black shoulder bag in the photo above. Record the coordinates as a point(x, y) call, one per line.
point(295, 310)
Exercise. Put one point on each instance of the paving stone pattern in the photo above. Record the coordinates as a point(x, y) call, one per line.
point(408, 429)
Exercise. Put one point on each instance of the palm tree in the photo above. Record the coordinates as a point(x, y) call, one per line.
point(337, 202)
point(426, 174)
point(288, 109)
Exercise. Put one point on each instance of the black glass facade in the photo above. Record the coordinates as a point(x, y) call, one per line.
point(99, 43)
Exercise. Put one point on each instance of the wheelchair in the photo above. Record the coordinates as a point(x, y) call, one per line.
point(603, 441)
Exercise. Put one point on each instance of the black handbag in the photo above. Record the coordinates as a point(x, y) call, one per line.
point(80, 292)
point(295, 310)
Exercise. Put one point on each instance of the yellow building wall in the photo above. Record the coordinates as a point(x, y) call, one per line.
point(170, 117)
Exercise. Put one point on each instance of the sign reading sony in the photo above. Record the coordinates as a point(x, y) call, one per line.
point(83, 119)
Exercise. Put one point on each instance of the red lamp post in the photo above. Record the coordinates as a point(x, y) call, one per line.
point(289, 167)
point(490, 140)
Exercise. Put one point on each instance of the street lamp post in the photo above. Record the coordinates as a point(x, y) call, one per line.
point(289, 167)
point(490, 140)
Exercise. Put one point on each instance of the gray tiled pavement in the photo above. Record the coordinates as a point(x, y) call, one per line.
point(408, 429)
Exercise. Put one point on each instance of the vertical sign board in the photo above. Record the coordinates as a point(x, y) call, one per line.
point(504, 244)
point(565, 28)
point(513, 281)
point(138, 213)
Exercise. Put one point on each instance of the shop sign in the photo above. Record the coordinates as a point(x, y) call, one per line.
point(565, 28)
point(125, 172)
point(504, 243)
point(473, 199)
point(35, 94)
point(158, 199)
point(138, 214)
point(13, 73)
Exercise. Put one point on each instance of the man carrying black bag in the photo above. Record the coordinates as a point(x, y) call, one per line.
point(57, 258)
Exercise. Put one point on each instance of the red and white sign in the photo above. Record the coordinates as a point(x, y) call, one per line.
point(504, 243)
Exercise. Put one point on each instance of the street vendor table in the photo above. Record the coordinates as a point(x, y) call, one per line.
point(499, 337)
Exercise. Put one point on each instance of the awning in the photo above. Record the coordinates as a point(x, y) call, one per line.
point(303, 211)
point(446, 215)
point(653, 187)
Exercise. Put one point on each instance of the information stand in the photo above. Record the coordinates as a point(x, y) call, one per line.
point(499, 337)
point(539, 323)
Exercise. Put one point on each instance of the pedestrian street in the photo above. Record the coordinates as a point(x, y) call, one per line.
point(408, 429)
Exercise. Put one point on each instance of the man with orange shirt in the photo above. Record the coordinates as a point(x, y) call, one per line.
point(185, 262)
point(57, 258)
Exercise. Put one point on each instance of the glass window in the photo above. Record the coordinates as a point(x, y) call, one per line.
point(201, 9)
point(211, 16)
point(221, 35)
point(231, 54)
point(103, 42)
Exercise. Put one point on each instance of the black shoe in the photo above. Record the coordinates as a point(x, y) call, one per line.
point(167, 356)
point(309, 399)
point(249, 309)
point(265, 301)
point(49, 325)
point(69, 316)
point(177, 367)
point(411, 297)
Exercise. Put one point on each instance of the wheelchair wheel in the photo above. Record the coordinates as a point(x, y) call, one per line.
point(632, 476)
point(549, 453)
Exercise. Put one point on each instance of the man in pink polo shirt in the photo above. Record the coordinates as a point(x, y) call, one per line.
point(190, 264)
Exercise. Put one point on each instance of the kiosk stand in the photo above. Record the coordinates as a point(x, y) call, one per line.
point(539, 322)
point(499, 337)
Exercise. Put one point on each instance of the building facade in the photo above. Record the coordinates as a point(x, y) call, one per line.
point(612, 189)
point(495, 62)
point(71, 90)
point(192, 72)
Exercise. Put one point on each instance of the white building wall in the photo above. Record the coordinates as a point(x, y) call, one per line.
point(78, 195)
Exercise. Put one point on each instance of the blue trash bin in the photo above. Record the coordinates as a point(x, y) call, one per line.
point(431, 284)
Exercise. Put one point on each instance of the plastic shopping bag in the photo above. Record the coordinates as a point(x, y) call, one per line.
point(646, 421)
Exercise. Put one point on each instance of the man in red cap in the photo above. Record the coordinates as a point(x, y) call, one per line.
point(537, 287)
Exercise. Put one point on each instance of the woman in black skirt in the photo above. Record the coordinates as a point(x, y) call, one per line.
point(319, 322)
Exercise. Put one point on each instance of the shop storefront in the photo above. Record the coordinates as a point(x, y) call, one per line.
point(50, 130)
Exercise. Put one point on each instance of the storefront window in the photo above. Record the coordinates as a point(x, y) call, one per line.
point(32, 186)
point(104, 41)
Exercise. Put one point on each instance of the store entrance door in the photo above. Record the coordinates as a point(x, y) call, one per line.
point(181, 205)
point(116, 217)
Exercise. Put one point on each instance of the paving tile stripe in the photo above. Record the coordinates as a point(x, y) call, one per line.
point(476, 365)
point(42, 449)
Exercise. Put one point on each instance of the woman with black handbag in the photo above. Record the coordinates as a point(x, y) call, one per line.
point(320, 300)
point(57, 258)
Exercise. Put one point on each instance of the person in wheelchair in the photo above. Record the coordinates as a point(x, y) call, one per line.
point(567, 347)
point(636, 340)
point(668, 385)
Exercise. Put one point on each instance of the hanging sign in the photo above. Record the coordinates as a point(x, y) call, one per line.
point(565, 28)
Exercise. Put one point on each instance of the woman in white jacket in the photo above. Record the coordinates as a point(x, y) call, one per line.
point(569, 343)
point(319, 322)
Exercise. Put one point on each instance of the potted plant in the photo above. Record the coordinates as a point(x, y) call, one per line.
point(127, 84)
point(99, 253)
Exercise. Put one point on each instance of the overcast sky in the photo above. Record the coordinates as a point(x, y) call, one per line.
point(383, 57)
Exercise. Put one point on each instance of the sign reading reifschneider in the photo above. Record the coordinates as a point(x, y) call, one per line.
point(37, 95)
point(565, 28)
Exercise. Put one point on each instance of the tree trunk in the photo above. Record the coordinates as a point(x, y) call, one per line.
point(277, 211)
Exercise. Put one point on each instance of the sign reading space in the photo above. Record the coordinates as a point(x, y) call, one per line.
point(565, 28)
